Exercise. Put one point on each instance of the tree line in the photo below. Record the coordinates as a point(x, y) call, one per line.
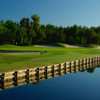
point(29, 31)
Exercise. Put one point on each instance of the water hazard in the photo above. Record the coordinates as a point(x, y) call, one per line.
point(74, 86)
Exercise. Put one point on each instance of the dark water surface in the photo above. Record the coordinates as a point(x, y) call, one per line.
point(75, 86)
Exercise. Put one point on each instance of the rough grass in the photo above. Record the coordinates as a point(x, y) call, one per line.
point(14, 61)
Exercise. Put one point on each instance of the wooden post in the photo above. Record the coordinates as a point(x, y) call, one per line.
point(74, 66)
point(82, 64)
point(46, 72)
point(27, 76)
point(15, 78)
point(85, 66)
point(86, 61)
point(95, 61)
point(65, 65)
point(37, 75)
point(89, 62)
point(99, 60)
point(79, 66)
point(2, 76)
point(59, 69)
point(52, 71)
point(92, 60)
point(70, 67)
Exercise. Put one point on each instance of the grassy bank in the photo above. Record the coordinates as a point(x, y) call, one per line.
point(14, 61)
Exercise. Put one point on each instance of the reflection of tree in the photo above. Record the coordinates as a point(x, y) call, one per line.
point(91, 70)
point(82, 70)
point(98, 66)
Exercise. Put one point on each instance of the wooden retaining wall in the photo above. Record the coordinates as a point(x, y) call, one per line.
point(34, 75)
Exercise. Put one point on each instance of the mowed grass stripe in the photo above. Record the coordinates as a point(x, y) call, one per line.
point(9, 61)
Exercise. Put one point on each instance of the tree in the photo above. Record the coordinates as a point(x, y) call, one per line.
point(36, 23)
point(10, 34)
point(30, 31)
point(25, 31)
point(36, 26)
point(3, 31)
point(42, 35)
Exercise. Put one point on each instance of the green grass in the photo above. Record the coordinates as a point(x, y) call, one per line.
point(54, 55)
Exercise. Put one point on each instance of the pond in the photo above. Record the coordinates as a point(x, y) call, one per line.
point(75, 86)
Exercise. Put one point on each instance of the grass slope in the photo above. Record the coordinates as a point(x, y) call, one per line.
point(14, 61)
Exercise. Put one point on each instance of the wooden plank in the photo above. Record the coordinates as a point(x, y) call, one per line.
point(45, 72)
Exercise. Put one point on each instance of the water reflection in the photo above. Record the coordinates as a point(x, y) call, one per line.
point(74, 86)
point(91, 70)
point(9, 83)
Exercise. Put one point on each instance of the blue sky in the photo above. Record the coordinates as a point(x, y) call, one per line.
point(57, 12)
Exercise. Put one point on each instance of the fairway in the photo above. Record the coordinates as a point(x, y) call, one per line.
point(40, 56)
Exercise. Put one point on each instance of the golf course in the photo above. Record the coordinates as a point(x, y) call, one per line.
point(20, 57)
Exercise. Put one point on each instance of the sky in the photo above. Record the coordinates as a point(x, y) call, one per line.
point(56, 12)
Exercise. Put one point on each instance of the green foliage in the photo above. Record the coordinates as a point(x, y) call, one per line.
point(8, 32)
point(29, 31)
point(25, 32)
point(36, 23)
